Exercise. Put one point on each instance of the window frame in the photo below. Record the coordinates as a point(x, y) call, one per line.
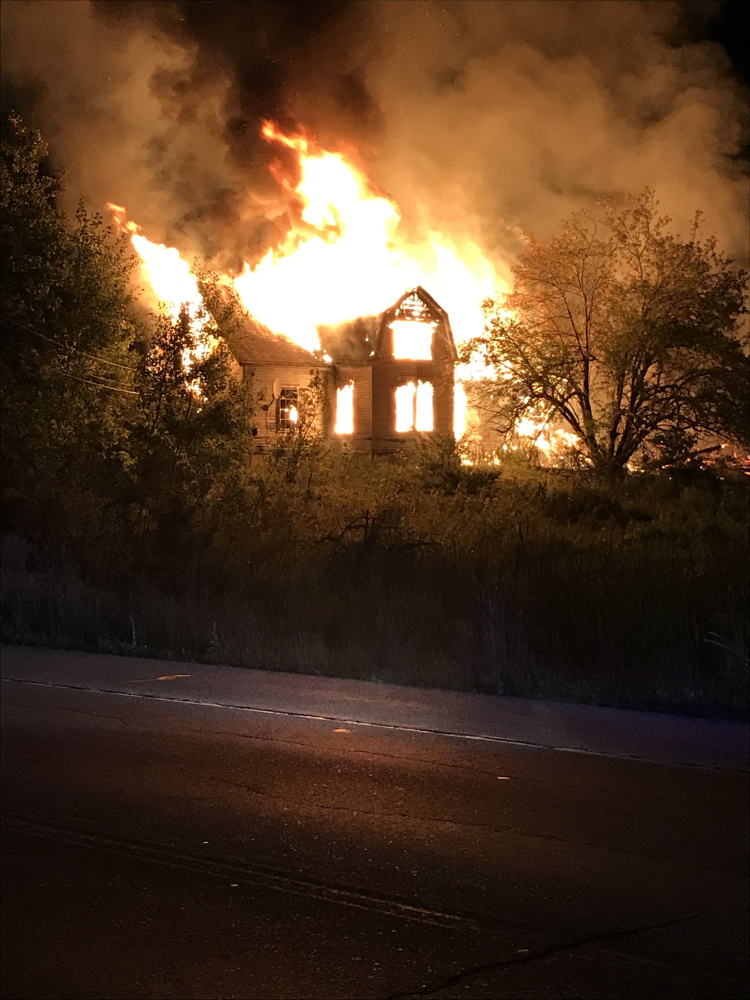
point(288, 397)
point(415, 384)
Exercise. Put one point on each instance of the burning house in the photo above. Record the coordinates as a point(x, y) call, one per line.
point(385, 379)
point(386, 376)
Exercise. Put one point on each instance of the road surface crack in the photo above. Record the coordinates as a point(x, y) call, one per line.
point(534, 955)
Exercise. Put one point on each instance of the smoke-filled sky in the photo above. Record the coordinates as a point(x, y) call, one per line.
point(480, 118)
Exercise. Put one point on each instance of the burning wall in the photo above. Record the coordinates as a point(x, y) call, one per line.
point(340, 260)
point(413, 371)
point(402, 386)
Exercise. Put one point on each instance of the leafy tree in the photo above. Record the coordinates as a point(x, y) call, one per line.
point(65, 285)
point(301, 444)
point(66, 329)
point(191, 436)
point(625, 333)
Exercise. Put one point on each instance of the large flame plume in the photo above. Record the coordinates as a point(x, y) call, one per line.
point(340, 260)
point(172, 283)
point(345, 258)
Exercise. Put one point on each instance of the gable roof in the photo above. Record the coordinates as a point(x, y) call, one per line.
point(254, 344)
point(417, 304)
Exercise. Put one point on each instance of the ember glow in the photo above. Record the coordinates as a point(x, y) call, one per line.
point(405, 407)
point(540, 432)
point(423, 411)
point(459, 410)
point(412, 339)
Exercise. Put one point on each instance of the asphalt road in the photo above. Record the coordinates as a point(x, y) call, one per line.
point(179, 831)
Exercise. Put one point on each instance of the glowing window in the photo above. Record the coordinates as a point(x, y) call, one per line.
point(345, 409)
point(414, 407)
point(287, 413)
point(412, 340)
point(405, 407)
point(423, 420)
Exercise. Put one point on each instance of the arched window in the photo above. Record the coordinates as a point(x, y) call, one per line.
point(287, 413)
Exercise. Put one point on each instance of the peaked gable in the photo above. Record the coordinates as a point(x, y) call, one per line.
point(418, 306)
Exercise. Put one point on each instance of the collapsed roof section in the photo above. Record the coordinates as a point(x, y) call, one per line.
point(255, 344)
point(360, 341)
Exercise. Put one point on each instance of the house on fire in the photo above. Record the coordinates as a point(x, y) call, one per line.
point(385, 378)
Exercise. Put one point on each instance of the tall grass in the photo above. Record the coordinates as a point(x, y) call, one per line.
point(546, 585)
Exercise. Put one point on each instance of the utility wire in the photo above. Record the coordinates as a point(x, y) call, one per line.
point(99, 385)
point(59, 371)
point(66, 347)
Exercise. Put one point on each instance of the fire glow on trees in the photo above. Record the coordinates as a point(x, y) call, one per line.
point(172, 283)
point(167, 273)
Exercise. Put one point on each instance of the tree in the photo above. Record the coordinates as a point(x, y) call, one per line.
point(302, 442)
point(625, 333)
point(67, 376)
point(191, 436)
point(108, 426)
point(64, 285)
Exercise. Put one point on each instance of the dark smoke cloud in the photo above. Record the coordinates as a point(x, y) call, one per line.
point(481, 119)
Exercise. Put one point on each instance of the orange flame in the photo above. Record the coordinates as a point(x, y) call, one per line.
point(414, 410)
point(172, 283)
point(348, 261)
point(343, 258)
point(269, 130)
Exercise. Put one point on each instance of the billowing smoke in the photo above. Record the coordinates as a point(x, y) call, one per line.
point(479, 119)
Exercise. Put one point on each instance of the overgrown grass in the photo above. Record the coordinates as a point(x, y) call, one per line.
point(539, 584)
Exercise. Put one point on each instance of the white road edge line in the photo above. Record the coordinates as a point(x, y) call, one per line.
point(479, 738)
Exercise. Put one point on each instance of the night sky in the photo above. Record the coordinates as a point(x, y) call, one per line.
point(481, 119)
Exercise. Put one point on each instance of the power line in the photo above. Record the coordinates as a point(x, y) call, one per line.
point(59, 371)
point(66, 347)
point(99, 385)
